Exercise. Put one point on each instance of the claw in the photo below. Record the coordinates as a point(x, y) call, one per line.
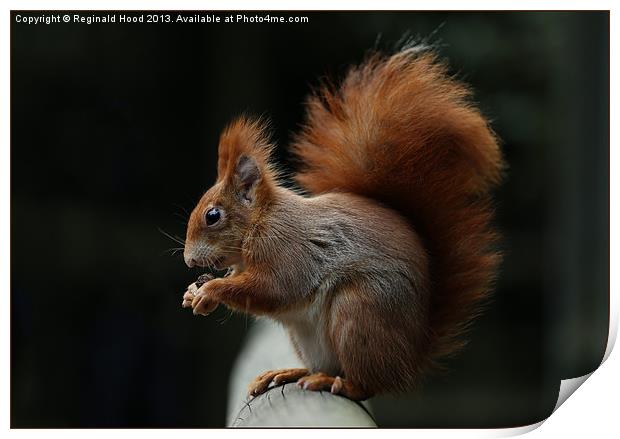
point(336, 386)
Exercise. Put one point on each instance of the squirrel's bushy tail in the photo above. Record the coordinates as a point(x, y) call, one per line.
point(399, 129)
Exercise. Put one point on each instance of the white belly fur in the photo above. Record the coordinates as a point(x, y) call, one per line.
point(308, 330)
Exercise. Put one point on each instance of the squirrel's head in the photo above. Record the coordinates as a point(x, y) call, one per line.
point(225, 214)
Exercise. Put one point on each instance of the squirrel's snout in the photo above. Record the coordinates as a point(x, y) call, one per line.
point(196, 255)
point(190, 262)
point(189, 259)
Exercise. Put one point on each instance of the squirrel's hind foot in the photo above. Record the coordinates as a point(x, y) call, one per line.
point(336, 385)
point(280, 376)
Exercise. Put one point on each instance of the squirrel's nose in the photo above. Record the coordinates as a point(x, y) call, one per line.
point(189, 261)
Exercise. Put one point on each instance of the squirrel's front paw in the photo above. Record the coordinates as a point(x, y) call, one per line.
point(196, 297)
point(189, 296)
point(202, 305)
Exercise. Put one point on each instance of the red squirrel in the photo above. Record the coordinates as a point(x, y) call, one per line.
point(376, 271)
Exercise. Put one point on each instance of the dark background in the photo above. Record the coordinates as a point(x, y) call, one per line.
point(114, 131)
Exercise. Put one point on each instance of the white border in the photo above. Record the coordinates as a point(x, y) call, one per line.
point(591, 411)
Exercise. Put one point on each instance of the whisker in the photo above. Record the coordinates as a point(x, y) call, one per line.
point(174, 238)
point(226, 318)
point(183, 218)
point(182, 208)
point(172, 251)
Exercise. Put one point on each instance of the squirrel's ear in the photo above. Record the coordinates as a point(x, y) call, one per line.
point(247, 176)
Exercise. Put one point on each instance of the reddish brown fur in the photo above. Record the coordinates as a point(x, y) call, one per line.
point(400, 130)
point(377, 275)
point(242, 137)
point(246, 137)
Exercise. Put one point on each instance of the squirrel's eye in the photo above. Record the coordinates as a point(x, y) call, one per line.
point(212, 216)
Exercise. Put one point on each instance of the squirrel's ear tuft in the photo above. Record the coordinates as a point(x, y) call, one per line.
point(244, 153)
point(247, 175)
